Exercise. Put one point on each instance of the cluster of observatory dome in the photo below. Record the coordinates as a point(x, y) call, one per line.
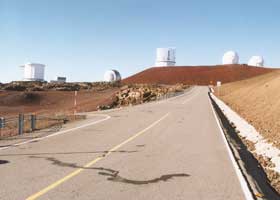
point(231, 57)
point(167, 57)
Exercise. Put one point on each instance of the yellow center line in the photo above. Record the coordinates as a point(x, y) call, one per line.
point(78, 171)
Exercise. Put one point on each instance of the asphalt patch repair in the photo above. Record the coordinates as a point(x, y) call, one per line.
point(113, 175)
point(3, 162)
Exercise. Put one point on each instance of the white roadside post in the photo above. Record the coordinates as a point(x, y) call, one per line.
point(219, 83)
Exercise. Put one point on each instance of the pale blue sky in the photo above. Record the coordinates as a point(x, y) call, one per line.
point(81, 39)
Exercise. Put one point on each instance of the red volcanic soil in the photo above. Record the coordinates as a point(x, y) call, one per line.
point(196, 75)
point(13, 102)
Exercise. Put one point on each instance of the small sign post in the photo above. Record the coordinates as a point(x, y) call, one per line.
point(33, 122)
point(20, 124)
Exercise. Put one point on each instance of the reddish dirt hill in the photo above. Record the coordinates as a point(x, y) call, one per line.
point(14, 102)
point(196, 75)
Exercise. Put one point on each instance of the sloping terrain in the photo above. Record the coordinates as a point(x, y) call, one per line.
point(53, 101)
point(258, 101)
point(14, 102)
point(196, 75)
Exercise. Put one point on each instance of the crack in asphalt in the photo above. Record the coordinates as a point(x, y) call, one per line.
point(113, 175)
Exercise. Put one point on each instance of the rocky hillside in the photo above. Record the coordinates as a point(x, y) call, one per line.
point(141, 93)
point(45, 86)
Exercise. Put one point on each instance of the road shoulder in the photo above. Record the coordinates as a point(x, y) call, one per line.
point(252, 172)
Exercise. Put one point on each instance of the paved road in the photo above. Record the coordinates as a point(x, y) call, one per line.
point(171, 149)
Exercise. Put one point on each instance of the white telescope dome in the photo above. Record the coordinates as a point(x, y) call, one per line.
point(256, 61)
point(33, 72)
point(230, 57)
point(112, 76)
point(166, 57)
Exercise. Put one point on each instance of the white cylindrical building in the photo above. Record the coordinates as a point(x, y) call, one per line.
point(230, 57)
point(166, 57)
point(112, 76)
point(257, 61)
point(34, 72)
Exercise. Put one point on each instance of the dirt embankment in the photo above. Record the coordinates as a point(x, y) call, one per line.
point(258, 101)
point(196, 75)
point(45, 102)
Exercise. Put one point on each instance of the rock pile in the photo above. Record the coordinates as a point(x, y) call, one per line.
point(141, 93)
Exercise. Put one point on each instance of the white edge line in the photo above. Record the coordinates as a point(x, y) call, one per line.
point(60, 132)
point(243, 183)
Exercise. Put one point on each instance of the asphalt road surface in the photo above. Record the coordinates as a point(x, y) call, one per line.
point(171, 149)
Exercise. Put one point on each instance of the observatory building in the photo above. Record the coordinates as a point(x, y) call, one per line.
point(59, 79)
point(112, 76)
point(257, 61)
point(230, 57)
point(165, 57)
point(33, 72)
